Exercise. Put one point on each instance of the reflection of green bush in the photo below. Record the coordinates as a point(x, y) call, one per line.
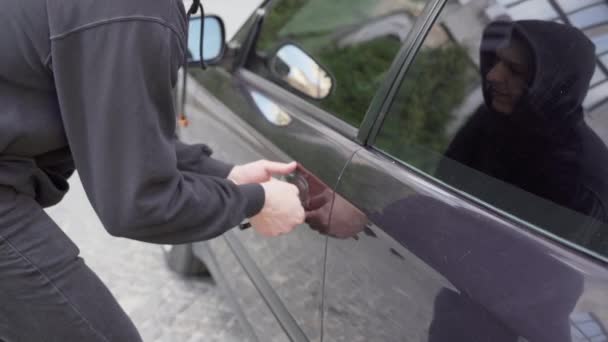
point(436, 84)
point(358, 71)
point(279, 16)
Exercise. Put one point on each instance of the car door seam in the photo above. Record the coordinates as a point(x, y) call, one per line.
point(325, 253)
point(270, 297)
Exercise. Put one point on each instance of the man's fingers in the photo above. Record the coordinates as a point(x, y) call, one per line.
point(275, 168)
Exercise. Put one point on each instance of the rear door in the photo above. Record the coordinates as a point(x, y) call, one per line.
point(451, 251)
point(253, 110)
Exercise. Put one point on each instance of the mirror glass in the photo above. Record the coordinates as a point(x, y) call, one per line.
point(213, 42)
point(301, 72)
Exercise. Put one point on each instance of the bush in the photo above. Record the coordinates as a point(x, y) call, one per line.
point(358, 71)
point(435, 85)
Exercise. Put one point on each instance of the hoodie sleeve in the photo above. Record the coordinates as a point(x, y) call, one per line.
point(114, 85)
point(197, 158)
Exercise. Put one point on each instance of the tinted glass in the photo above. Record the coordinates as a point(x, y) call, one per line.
point(355, 41)
point(598, 76)
point(507, 111)
point(590, 16)
point(601, 43)
point(212, 42)
point(572, 5)
point(532, 9)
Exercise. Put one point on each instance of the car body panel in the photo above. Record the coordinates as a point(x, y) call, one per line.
point(235, 124)
point(255, 318)
point(423, 261)
point(433, 266)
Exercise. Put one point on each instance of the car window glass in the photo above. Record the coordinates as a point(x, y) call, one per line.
point(590, 16)
point(573, 5)
point(353, 41)
point(514, 113)
point(532, 9)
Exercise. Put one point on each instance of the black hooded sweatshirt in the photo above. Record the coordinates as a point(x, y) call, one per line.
point(88, 84)
point(544, 147)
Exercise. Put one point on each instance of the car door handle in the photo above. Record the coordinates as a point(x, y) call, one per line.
point(298, 179)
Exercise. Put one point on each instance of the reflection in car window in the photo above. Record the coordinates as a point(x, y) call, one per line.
point(601, 42)
point(590, 16)
point(532, 9)
point(598, 76)
point(513, 119)
point(355, 41)
point(585, 327)
point(573, 5)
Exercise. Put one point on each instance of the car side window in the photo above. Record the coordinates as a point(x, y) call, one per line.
point(508, 102)
point(338, 51)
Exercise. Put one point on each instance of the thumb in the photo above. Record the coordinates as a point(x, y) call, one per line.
point(275, 168)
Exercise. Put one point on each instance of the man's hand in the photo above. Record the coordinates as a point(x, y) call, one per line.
point(282, 210)
point(260, 171)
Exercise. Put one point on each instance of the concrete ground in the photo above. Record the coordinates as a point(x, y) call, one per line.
point(164, 306)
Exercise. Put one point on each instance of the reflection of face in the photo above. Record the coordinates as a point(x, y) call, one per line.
point(508, 78)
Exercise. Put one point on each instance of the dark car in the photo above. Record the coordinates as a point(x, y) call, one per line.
point(453, 165)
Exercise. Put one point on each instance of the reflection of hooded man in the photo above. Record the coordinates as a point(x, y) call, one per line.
point(531, 132)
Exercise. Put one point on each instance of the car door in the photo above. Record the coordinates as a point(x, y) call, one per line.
point(456, 251)
point(251, 109)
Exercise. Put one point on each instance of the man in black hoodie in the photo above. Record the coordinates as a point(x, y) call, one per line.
point(531, 133)
point(87, 85)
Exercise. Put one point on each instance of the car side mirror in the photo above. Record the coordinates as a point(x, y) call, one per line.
point(213, 40)
point(301, 72)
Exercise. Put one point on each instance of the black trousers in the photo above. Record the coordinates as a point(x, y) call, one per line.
point(47, 293)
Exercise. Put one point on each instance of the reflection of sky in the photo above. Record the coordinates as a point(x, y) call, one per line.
point(212, 44)
point(304, 73)
point(271, 111)
point(303, 62)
